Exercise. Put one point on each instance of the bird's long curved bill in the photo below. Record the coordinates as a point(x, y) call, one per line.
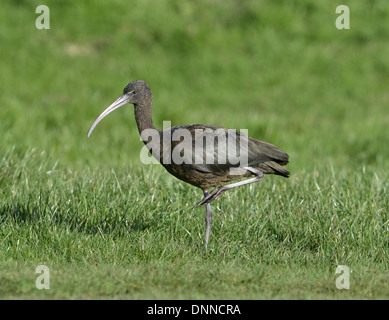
point(124, 99)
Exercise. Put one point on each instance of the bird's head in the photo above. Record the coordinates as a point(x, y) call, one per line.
point(135, 93)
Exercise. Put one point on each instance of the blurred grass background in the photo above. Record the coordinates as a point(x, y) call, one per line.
point(280, 69)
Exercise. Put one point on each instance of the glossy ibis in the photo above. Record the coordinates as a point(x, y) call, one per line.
point(261, 157)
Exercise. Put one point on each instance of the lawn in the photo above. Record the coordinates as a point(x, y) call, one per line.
point(108, 226)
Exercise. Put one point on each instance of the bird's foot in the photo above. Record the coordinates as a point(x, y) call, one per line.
point(215, 194)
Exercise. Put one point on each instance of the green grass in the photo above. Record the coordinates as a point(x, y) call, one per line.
point(108, 226)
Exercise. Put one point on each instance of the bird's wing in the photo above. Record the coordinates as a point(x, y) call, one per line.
point(216, 149)
point(210, 150)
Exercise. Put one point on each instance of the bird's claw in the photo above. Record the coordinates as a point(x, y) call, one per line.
point(215, 194)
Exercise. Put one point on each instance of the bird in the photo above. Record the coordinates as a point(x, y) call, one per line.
point(184, 152)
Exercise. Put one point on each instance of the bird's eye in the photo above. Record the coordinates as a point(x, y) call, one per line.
point(133, 92)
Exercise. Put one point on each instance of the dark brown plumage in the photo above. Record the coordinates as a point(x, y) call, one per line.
point(262, 158)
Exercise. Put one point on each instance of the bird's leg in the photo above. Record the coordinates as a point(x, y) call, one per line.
point(208, 221)
point(216, 193)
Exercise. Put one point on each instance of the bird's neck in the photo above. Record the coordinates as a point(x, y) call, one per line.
point(143, 116)
point(150, 136)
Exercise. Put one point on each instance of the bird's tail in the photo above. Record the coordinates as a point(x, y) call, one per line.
point(273, 167)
